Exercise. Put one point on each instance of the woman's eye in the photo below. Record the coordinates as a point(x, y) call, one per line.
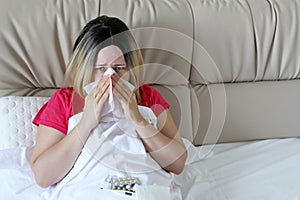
point(119, 68)
point(102, 69)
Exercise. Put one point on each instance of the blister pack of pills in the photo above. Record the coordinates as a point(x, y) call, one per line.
point(123, 183)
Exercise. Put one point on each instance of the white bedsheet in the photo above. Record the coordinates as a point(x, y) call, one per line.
point(17, 180)
point(261, 170)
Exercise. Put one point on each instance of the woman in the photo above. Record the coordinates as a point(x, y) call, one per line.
point(105, 42)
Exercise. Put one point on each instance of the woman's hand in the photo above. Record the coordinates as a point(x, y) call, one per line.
point(94, 104)
point(127, 99)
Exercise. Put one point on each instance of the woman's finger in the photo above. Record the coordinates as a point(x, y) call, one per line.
point(120, 85)
point(104, 81)
point(103, 98)
point(104, 89)
point(122, 89)
point(101, 86)
point(120, 96)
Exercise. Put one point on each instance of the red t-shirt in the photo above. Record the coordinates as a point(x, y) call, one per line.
point(57, 111)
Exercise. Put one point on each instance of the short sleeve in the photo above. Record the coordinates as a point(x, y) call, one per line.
point(151, 98)
point(56, 112)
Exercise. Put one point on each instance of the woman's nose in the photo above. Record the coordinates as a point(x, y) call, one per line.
point(109, 71)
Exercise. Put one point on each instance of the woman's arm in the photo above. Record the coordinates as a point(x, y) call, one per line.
point(165, 146)
point(165, 143)
point(55, 154)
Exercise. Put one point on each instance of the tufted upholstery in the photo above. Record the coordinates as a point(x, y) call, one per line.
point(16, 114)
point(229, 68)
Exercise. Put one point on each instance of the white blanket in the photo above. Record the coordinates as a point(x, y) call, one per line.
point(110, 152)
point(17, 180)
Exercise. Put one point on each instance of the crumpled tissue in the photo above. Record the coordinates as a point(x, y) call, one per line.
point(112, 109)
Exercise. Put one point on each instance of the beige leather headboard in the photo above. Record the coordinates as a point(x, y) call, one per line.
point(228, 68)
point(36, 40)
point(253, 48)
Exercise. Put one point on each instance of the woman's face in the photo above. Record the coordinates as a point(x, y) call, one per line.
point(110, 57)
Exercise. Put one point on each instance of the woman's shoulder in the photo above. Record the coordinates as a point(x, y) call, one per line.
point(148, 93)
point(151, 98)
point(56, 112)
point(66, 91)
point(63, 94)
point(62, 98)
point(147, 89)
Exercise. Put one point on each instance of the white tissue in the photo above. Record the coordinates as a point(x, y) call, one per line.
point(110, 72)
point(153, 192)
point(112, 109)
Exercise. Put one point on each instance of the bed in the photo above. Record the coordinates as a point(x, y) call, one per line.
point(230, 70)
point(264, 169)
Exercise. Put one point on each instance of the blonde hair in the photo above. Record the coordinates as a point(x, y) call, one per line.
point(97, 34)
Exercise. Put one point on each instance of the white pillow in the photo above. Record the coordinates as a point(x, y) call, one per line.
point(16, 115)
